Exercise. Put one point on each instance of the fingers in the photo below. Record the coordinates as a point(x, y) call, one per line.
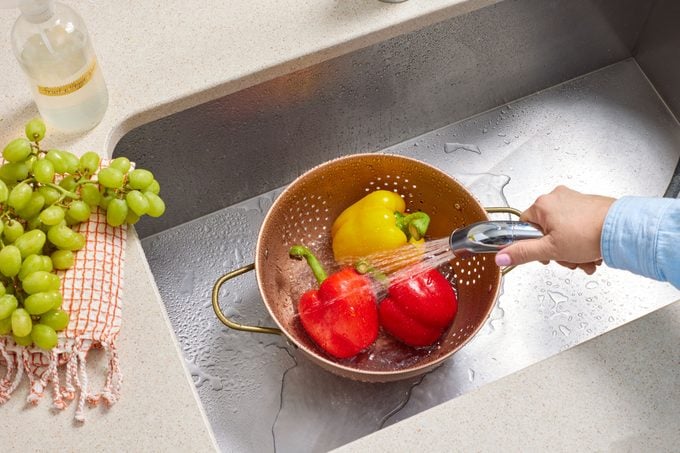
point(524, 252)
point(507, 259)
point(588, 268)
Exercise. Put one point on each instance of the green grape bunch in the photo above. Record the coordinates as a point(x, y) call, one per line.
point(43, 195)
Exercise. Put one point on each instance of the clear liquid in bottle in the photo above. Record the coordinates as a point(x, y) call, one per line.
point(66, 81)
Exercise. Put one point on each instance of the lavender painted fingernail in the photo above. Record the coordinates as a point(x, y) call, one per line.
point(503, 259)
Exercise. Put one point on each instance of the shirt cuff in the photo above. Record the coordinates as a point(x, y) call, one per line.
point(640, 235)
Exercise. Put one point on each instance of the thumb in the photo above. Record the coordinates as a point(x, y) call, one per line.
point(523, 252)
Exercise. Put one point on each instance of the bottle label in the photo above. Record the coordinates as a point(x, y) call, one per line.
point(70, 87)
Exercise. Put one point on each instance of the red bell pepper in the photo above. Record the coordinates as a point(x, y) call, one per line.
point(342, 315)
point(418, 309)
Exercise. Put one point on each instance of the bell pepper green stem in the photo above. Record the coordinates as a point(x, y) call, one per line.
point(413, 225)
point(302, 252)
point(364, 266)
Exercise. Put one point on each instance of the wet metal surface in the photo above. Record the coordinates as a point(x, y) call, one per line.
point(261, 138)
point(607, 132)
point(657, 53)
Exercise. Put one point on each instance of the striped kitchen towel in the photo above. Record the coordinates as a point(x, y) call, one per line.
point(92, 291)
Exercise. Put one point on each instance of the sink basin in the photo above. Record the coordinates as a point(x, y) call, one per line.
point(511, 99)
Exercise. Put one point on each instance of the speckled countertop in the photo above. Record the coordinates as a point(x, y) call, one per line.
point(162, 57)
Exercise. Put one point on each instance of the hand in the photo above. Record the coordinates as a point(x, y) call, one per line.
point(572, 226)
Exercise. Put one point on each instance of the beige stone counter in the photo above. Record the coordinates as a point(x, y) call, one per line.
point(161, 57)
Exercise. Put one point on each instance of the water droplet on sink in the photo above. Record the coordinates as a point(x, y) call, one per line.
point(471, 374)
point(453, 147)
point(565, 330)
point(592, 284)
point(557, 297)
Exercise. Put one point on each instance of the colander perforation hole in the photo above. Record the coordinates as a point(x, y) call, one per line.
point(307, 220)
point(469, 271)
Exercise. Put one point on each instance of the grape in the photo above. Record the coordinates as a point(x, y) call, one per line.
point(4, 192)
point(116, 212)
point(42, 302)
point(90, 194)
point(12, 172)
point(78, 242)
point(12, 230)
point(50, 194)
point(131, 217)
point(156, 204)
point(89, 162)
point(79, 211)
point(47, 263)
point(68, 183)
point(65, 238)
point(21, 322)
point(41, 281)
point(30, 161)
point(30, 243)
point(137, 202)
point(111, 178)
point(154, 187)
point(52, 215)
point(62, 259)
point(3, 290)
point(56, 319)
point(23, 341)
point(43, 170)
point(44, 336)
point(35, 130)
point(5, 326)
point(20, 195)
point(105, 200)
point(121, 164)
point(33, 207)
point(140, 179)
point(8, 303)
point(32, 263)
point(34, 223)
point(72, 161)
point(57, 300)
point(58, 160)
point(17, 150)
point(10, 261)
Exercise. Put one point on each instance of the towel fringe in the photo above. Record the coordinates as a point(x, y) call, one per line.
point(82, 378)
point(114, 378)
point(14, 371)
point(20, 361)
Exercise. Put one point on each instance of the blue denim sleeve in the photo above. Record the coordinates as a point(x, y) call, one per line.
point(642, 235)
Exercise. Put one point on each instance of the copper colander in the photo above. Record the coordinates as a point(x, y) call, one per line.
point(304, 213)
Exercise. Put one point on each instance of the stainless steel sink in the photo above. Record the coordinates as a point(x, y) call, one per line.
point(511, 99)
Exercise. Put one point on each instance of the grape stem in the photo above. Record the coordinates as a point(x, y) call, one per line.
point(64, 192)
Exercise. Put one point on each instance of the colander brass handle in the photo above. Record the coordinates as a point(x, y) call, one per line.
point(222, 317)
point(504, 210)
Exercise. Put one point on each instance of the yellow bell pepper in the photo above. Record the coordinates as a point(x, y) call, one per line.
point(376, 223)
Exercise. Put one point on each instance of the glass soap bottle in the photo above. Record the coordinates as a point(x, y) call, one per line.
point(54, 49)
